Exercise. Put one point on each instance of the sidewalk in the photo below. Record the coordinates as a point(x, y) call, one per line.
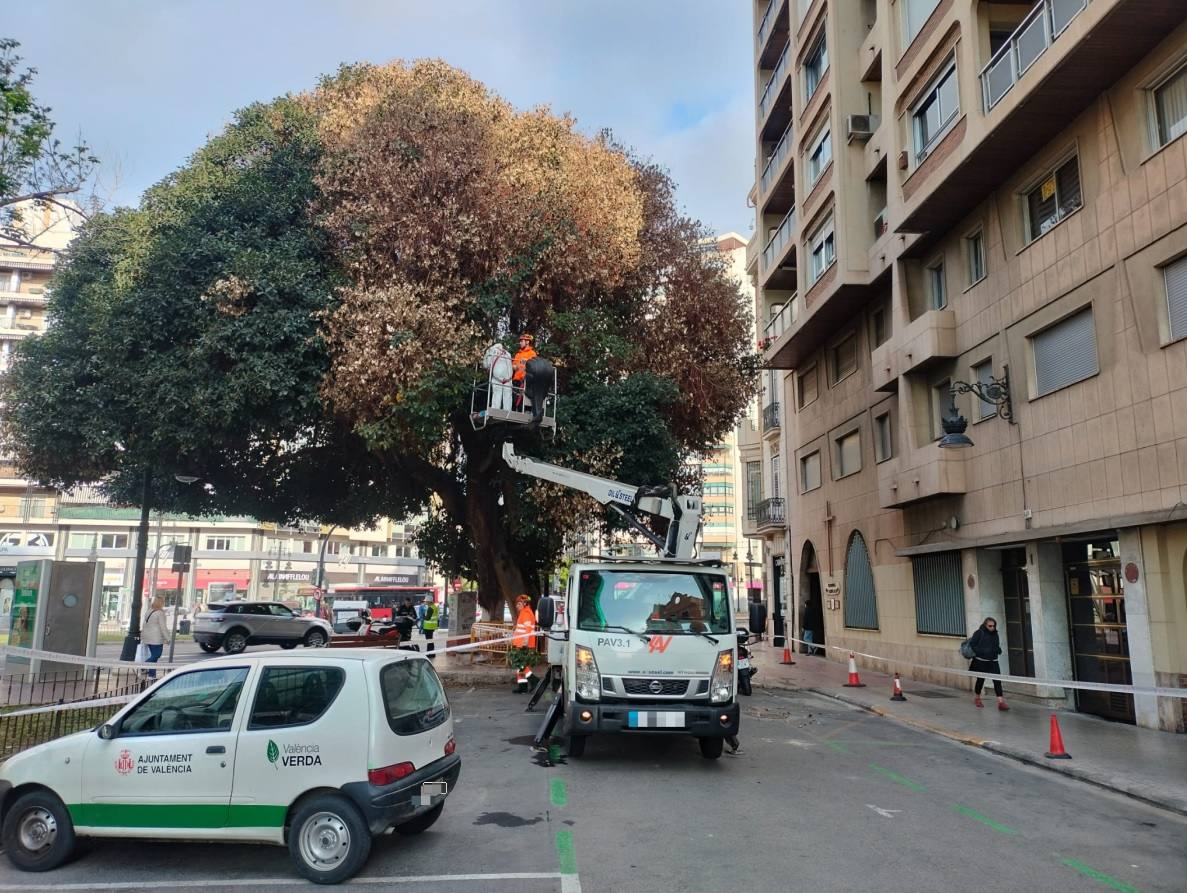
point(1141, 763)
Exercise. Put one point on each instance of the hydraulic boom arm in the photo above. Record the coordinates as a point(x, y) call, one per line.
point(683, 512)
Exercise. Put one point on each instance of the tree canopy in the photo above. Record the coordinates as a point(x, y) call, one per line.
point(296, 315)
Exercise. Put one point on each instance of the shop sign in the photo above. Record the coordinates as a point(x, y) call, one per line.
point(288, 576)
point(396, 580)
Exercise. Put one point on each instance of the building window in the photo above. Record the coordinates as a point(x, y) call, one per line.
point(861, 604)
point(753, 489)
point(776, 477)
point(983, 375)
point(819, 156)
point(935, 111)
point(807, 386)
point(848, 454)
point(379, 551)
point(718, 508)
point(308, 547)
point(810, 472)
point(883, 439)
point(915, 16)
point(1174, 277)
point(879, 330)
point(974, 253)
point(224, 543)
point(333, 548)
point(1170, 107)
point(939, 594)
point(814, 67)
point(823, 248)
point(942, 405)
point(1054, 198)
point(113, 541)
point(937, 289)
point(718, 489)
point(1065, 353)
point(844, 357)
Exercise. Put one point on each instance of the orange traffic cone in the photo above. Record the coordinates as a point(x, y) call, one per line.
point(854, 679)
point(896, 691)
point(1057, 751)
point(787, 658)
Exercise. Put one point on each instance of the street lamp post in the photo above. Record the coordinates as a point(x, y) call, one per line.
point(321, 562)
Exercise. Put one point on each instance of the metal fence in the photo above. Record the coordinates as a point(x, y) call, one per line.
point(18, 733)
point(76, 684)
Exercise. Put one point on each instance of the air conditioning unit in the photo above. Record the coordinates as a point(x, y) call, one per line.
point(860, 127)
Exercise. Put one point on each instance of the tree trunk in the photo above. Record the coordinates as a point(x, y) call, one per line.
point(500, 580)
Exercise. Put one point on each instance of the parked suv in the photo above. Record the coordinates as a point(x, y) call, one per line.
point(233, 626)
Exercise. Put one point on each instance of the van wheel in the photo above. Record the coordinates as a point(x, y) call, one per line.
point(315, 638)
point(38, 834)
point(208, 647)
point(328, 840)
point(422, 822)
point(235, 642)
point(577, 746)
point(711, 747)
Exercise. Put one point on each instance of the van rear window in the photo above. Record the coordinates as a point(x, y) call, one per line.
point(413, 696)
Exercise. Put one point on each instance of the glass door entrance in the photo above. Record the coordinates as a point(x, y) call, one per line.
point(1096, 612)
point(1019, 642)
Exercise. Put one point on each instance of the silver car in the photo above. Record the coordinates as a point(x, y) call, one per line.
point(233, 626)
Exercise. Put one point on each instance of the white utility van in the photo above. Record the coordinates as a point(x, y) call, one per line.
point(646, 647)
point(317, 751)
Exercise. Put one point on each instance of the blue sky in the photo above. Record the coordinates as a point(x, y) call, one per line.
point(147, 82)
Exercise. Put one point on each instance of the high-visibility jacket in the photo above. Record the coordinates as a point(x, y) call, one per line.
point(520, 362)
point(430, 621)
point(525, 625)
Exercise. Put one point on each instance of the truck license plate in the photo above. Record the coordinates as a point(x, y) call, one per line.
point(432, 791)
point(655, 719)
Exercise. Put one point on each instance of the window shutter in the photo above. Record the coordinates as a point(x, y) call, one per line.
point(1175, 276)
point(861, 603)
point(939, 594)
point(1065, 353)
point(1067, 180)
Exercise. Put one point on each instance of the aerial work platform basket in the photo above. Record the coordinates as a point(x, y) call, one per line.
point(498, 399)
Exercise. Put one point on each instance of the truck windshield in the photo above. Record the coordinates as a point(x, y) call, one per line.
point(667, 602)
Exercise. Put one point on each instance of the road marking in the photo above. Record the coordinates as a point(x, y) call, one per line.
point(564, 852)
point(837, 746)
point(293, 882)
point(560, 796)
point(899, 779)
point(988, 822)
point(1089, 871)
point(885, 813)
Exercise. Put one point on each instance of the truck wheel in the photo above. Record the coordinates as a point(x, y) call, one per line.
point(235, 642)
point(576, 746)
point(38, 834)
point(208, 647)
point(422, 822)
point(315, 638)
point(328, 840)
point(711, 747)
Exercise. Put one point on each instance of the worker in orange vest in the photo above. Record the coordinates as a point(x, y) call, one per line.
point(519, 366)
point(525, 628)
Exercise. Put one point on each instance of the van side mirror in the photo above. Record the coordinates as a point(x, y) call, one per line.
point(743, 635)
point(546, 612)
point(109, 730)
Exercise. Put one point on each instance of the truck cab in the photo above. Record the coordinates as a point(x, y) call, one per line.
point(646, 647)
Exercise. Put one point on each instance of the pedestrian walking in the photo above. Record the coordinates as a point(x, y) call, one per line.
point(154, 633)
point(428, 626)
point(986, 647)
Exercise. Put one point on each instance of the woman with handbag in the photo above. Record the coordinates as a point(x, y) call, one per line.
point(153, 633)
point(985, 647)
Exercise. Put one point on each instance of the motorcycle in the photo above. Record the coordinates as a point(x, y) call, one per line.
point(746, 669)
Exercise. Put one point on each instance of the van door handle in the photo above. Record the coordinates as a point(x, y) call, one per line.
point(216, 748)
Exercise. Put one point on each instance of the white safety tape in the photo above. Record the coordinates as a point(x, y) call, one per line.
point(73, 705)
point(81, 659)
point(1158, 691)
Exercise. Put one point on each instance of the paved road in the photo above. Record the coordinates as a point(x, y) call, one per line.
point(824, 797)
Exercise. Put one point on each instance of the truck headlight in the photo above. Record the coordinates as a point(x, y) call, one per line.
point(586, 677)
point(721, 684)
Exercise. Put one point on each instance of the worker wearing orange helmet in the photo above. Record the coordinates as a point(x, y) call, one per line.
point(519, 365)
point(525, 627)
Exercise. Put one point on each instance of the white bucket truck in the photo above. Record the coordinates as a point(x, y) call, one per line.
point(644, 646)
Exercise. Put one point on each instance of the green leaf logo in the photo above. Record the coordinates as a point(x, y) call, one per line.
point(273, 753)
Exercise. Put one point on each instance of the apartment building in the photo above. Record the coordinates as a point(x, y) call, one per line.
point(973, 288)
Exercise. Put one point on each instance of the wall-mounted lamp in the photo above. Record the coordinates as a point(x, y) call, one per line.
point(995, 392)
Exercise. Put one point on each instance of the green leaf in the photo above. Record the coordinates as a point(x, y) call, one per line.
point(273, 752)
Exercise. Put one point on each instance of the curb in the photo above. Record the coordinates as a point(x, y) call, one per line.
point(1172, 804)
point(465, 678)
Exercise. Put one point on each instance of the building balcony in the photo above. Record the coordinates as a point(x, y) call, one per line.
point(771, 418)
point(37, 299)
point(777, 182)
point(777, 268)
point(925, 473)
point(752, 253)
point(782, 320)
point(926, 340)
point(770, 515)
point(1061, 57)
point(772, 33)
point(774, 105)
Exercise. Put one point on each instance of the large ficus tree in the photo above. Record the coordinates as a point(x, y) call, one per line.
point(302, 307)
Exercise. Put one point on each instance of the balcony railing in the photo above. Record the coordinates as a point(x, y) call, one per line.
point(782, 320)
point(770, 417)
point(778, 241)
point(768, 21)
point(772, 88)
point(1041, 27)
point(775, 162)
point(770, 512)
